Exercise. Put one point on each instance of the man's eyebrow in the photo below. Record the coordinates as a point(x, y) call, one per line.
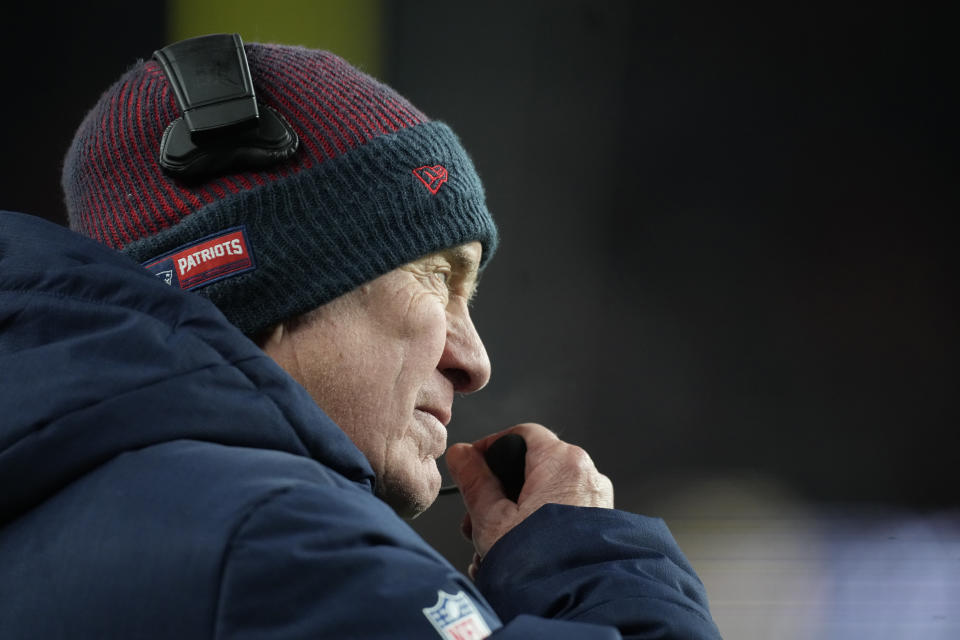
point(462, 260)
point(464, 263)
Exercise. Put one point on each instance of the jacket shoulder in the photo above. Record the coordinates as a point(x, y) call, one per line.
point(152, 528)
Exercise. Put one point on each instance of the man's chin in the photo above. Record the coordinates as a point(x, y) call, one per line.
point(411, 498)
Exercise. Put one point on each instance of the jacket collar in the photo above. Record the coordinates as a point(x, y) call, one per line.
point(99, 357)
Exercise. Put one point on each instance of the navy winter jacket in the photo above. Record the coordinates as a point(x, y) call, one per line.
point(162, 477)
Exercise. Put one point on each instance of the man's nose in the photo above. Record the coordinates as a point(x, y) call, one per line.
point(464, 362)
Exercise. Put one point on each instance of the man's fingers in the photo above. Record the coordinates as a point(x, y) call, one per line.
point(534, 434)
point(466, 527)
point(491, 513)
point(474, 566)
point(478, 486)
point(555, 472)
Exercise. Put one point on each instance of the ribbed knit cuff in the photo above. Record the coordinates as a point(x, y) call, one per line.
point(322, 232)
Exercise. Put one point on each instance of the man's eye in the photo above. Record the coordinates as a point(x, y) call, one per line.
point(442, 276)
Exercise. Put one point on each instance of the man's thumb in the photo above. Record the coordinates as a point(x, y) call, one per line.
point(458, 460)
point(478, 486)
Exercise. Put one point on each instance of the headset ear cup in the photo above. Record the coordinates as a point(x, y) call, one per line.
point(176, 147)
point(271, 141)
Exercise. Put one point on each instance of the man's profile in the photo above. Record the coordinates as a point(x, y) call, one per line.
point(220, 404)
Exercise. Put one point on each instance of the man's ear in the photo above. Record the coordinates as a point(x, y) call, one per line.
point(276, 342)
point(270, 339)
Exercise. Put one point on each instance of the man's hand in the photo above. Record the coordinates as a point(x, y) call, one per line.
point(556, 472)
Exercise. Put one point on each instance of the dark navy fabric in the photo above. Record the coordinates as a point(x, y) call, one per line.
point(162, 478)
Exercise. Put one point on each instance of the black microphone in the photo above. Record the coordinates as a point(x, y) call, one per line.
point(507, 458)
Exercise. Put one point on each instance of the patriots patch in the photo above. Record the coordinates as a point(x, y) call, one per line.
point(201, 262)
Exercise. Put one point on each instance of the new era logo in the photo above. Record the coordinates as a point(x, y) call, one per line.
point(432, 177)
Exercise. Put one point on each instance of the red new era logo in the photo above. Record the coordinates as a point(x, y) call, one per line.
point(432, 177)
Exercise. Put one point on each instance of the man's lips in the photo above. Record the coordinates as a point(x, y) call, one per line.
point(442, 415)
point(437, 420)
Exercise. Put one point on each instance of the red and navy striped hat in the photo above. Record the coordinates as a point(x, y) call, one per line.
point(373, 185)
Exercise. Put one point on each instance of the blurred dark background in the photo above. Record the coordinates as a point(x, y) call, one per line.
point(726, 258)
point(724, 233)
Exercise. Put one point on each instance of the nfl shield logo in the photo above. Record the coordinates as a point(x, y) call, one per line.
point(456, 618)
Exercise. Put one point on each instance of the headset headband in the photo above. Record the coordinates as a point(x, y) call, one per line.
point(223, 127)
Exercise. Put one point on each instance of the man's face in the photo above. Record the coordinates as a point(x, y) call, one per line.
point(384, 361)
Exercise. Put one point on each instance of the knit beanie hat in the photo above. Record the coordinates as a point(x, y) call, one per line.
point(373, 184)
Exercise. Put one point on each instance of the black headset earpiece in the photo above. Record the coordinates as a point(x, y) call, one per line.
point(222, 127)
